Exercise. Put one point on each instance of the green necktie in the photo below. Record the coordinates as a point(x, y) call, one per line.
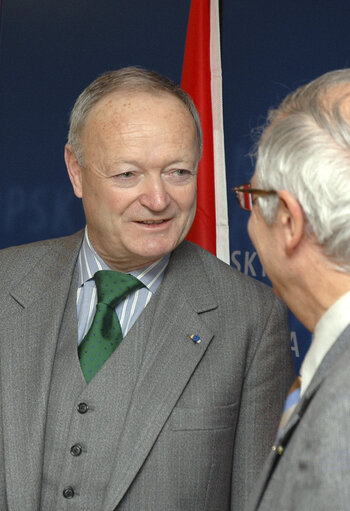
point(105, 333)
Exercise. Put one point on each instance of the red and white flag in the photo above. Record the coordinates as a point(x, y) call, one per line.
point(202, 79)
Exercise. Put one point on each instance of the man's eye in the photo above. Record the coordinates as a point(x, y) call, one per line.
point(125, 179)
point(181, 174)
point(125, 175)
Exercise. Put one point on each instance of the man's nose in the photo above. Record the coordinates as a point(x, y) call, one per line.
point(155, 195)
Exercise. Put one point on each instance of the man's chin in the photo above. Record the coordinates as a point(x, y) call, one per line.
point(152, 252)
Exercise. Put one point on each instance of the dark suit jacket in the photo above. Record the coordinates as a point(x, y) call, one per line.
point(202, 416)
point(309, 469)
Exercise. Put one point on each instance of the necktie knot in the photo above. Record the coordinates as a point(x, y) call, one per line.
point(113, 286)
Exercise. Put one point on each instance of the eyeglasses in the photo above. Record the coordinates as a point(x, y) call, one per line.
point(244, 195)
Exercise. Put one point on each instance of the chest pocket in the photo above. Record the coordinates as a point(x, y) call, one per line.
point(222, 417)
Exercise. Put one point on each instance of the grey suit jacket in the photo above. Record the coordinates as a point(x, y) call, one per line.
point(202, 416)
point(309, 468)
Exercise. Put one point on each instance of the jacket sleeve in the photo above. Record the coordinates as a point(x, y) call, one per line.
point(268, 376)
point(3, 500)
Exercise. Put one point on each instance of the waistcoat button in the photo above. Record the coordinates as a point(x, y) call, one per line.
point(82, 407)
point(68, 493)
point(76, 450)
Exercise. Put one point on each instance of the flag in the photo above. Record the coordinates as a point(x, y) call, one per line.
point(202, 79)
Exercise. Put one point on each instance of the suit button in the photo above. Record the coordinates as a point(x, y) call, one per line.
point(76, 450)
point(82, 407)
point(68, 493)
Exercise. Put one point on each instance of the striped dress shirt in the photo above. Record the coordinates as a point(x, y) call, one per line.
point(89, 262)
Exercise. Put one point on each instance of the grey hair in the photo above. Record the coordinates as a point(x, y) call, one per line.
point(305, 149)
point(128, 79)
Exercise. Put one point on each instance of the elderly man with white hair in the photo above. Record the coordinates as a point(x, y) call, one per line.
point(299, 199)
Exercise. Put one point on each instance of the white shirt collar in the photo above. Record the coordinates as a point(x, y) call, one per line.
point(329, 327)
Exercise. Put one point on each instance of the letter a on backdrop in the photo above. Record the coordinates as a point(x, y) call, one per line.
point(202, 79)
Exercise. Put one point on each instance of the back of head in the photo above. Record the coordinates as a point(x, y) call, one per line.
point(125, 80)
point(305, 149)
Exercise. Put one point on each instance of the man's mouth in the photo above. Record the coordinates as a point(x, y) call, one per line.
point(151, 222)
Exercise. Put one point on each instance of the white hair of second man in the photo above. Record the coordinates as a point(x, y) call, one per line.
point(305, 149)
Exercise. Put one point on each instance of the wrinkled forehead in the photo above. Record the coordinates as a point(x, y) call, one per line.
point(123, 110)
point(123, 103)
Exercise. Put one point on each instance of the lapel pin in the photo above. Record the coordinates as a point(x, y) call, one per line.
point(195, 338)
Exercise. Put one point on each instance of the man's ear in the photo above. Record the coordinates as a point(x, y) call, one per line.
point(74, 170)
point(292, 220)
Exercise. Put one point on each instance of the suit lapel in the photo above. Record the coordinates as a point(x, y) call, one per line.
point(281, 443)
point(30, 327)
point(170, 357)
point(276, 452)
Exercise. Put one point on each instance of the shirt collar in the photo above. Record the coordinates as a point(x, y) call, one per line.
point(327, 330)
point(89, 262)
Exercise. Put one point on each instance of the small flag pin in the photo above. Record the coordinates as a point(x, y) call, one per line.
point(195, 338)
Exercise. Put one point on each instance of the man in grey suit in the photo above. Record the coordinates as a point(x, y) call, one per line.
point(181, 415)
point(300, 225)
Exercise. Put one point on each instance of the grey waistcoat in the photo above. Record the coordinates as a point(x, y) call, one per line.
point(81, 448)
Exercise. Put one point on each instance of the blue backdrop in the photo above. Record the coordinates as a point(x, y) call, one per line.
point(49, 51)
